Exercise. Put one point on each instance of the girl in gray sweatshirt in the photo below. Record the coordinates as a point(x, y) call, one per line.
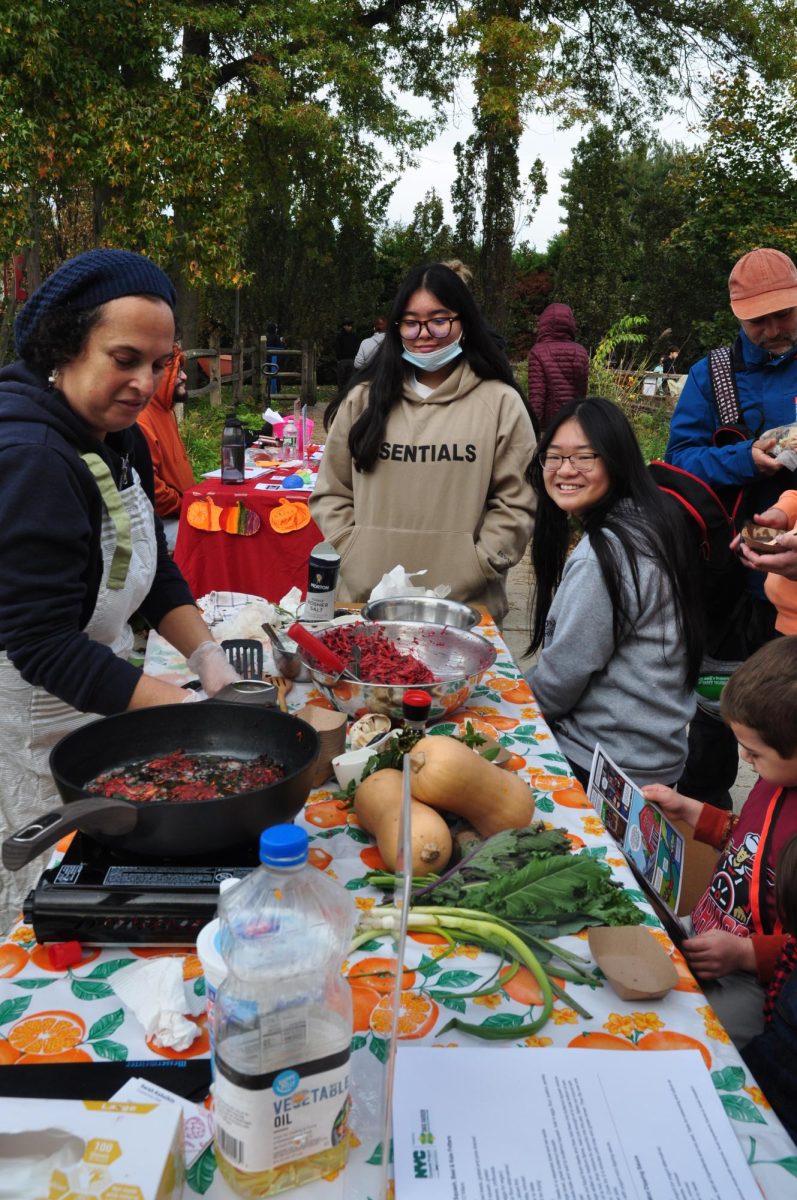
point(618, 621)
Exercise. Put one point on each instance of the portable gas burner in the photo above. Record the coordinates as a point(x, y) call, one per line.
point(102, 897)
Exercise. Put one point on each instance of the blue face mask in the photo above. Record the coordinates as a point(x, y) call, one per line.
point(435, 359)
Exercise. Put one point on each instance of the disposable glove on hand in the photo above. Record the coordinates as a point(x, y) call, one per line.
point(213, 667)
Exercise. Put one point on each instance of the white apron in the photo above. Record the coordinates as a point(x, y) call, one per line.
point(31, 719)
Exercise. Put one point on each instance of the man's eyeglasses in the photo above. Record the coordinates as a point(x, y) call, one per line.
point(436, 327)
point(584, 461)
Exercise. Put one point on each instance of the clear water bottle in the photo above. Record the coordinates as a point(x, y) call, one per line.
point(233, 450)
point(283, 1022)
point(290, 440)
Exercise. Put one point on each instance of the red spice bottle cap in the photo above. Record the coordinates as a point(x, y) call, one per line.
point(64, 954)
point(416, 705)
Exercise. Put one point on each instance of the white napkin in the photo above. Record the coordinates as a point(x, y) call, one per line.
point(399, 583)
point(154, 991)
point(291, 601)
point(271, 417)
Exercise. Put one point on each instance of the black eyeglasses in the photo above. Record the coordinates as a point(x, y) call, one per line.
point(436, 327)
point(584, 461)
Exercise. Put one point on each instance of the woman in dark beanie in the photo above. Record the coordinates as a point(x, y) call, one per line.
point(80, 547)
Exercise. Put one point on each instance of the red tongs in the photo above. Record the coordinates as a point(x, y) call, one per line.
point(326, 658)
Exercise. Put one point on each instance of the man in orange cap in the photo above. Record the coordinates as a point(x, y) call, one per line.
point(735, 456)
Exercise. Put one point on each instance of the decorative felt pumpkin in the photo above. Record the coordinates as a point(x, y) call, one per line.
point(239, 519)
point(204, 514)
point(289, 515)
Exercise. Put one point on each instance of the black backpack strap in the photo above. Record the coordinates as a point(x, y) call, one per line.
point(724, 387)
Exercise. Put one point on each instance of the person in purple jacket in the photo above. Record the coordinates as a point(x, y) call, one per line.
point(558, 364)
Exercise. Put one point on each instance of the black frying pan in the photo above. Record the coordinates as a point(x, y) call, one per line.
point(166, 828)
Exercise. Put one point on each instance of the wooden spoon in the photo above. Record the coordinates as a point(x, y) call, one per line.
point(283, 686)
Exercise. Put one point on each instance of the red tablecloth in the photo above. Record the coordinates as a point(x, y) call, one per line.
point(265, 564)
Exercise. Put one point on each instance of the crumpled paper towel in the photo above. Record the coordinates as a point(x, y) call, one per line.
point(271, 417)
point(399, 583)
point(154, 991)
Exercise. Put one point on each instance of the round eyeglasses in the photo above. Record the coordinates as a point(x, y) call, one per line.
point(436, 327)
point(584, 461)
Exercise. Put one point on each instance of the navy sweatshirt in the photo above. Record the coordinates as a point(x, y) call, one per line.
point(50, 553)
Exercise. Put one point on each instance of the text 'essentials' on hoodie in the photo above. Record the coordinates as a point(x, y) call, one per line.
point(447, 493)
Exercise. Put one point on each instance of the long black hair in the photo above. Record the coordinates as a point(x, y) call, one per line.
point(386, 371)
point(650, 527)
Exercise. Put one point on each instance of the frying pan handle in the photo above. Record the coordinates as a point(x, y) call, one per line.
point(91, 813)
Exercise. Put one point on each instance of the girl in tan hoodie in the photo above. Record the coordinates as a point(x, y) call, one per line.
point(425, 458)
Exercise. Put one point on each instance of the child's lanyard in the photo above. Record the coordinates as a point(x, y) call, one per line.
point(758, 886)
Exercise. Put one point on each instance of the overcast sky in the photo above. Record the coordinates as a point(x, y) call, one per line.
point(436, 168)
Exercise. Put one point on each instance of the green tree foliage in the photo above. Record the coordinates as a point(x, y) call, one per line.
point(595, 274)
point(625, 60)
point(193, 129)
point(737, 192)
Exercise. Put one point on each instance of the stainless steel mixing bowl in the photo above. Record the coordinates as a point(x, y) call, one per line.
point(456, 657)
point(428, 609)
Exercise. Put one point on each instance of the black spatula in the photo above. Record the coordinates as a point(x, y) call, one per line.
point(245, 656)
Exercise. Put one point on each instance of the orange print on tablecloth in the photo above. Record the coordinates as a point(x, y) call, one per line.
point(686, 980)
point(320, 859)
point(200, 1045)
point(478, 724)
point(600, 1041)
point(380, 974)
point(491, 1000)
point(417, 1016)
point(13, 958)
point(513, 763)
point(75, 1055)
point(669, 1039)
point(427, 939)
point(571, 796)
point(496, 719)
point(523, 987)
point(372, 859)
point(8, 1055)
point(712, 1026)
point(592, 826)
point(52, 1032)
point(327, 814)
point(513, 691)
point(363, 1002)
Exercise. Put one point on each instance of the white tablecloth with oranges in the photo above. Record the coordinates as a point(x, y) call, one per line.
point(49, 1016)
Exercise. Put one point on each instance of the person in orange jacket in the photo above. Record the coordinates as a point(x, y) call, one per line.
point(172, 470)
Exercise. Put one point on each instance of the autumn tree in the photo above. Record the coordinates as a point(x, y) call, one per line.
point(626, 60)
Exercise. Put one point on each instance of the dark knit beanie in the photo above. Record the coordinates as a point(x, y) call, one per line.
point(88, 280)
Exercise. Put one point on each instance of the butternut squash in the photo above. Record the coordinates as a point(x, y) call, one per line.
point(377, 803)
point(447, 775)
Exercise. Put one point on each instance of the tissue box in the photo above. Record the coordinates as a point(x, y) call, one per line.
point(97, 1150)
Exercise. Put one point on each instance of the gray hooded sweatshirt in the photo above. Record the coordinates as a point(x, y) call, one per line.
point(631, 695)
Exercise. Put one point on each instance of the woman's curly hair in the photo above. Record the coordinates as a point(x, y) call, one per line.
point(60, 337)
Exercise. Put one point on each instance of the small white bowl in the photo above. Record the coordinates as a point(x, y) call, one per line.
point(350, 765)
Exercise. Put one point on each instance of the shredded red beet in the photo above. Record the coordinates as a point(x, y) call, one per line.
point(181, 777)
point(381, 661)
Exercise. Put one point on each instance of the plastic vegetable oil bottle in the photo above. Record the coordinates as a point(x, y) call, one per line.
point(283, 1022)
